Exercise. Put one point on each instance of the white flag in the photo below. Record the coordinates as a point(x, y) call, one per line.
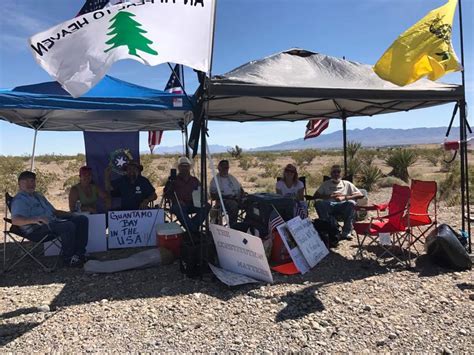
point(78, 53)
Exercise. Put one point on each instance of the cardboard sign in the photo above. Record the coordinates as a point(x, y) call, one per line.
point(308, 240)
point(293, 249)
point(131, 229)
point(231, 278)
point(97, 241)
point(241, 253)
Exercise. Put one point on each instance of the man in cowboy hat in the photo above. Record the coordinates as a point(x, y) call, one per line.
point(180, 192)
point(134, 190)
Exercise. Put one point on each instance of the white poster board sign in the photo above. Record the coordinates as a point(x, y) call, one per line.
point(131, 229)
point(241, 253)
point(293, 249)
point(231, 278)
point(96, 242)
point(308, 240)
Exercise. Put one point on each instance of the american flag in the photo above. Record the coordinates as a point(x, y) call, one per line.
point(315, 127)
point(274, 221)
point(172, 86)
point(154, 139)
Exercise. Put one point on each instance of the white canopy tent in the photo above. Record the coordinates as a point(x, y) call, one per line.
point(298, 84)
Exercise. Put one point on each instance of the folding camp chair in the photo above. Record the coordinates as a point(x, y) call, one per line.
point(395, 224)
point(23, 245)
point(421, 221)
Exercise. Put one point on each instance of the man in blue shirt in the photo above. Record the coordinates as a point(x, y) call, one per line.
point(134, 190)
point(36, 217)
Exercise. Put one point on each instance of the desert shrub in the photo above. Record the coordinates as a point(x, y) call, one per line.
point(10, 168)
point(352, 149)
point(389, 181)
point(400, 160)
point(367, 156)
point(266, 157)
point(270, 170)
point(235, 152)
point(148, 169)
point(354, 166)
point(252, 179)
point(431, 155)
point(44, 180)
point(162, 167)
point(75, 164)
point(70, 182)
point(369, 175)
point(245, 162)
point(50, 158)
point(304, 157)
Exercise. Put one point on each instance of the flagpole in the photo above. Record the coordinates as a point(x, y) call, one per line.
point(465, 198)
point(344, 139)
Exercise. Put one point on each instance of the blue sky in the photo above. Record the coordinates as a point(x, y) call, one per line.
point(245, 30)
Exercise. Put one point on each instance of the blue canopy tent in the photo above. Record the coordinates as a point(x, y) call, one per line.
point(112, 105)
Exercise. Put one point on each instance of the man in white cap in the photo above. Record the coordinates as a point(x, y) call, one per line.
point(180, 191)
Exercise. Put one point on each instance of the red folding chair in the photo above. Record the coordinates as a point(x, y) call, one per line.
point(395, 223)
point(421, 220)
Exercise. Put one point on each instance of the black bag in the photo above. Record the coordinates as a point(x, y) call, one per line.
point(328, 233)
point(190, 261)
point(258, 208)
point(444, 247)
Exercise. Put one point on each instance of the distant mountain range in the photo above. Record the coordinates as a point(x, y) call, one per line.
point(369, 137)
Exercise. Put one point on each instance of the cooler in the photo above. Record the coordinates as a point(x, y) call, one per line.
point(170, 236)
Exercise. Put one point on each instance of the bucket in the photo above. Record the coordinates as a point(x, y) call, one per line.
point(170, 236)
point(279, 252)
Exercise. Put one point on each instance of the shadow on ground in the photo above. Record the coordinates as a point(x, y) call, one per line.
point(81, 288)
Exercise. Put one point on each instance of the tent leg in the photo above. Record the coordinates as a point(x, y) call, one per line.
point(344, 139)
point(205, 227)
point(32, 165)
point(465, 196)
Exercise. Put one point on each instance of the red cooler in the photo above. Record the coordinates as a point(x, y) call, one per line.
point(170, 236)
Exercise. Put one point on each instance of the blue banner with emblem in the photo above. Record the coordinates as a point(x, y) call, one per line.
point(112, 149)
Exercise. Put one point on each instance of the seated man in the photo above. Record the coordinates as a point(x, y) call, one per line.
point(135, 191)
point(180, 192)
point(337, 198)
point(36, 217)
point(231, 191)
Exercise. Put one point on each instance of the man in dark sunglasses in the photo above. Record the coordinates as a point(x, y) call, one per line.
point(337, 197)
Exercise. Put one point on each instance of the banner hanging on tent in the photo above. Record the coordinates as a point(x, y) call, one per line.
point(77, 53)
point(110, 148)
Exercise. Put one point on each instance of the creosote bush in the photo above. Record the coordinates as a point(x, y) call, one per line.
point(303, 157)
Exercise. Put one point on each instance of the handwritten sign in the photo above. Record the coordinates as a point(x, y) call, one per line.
point(308, 240)
point(293, 249)
point(241, 253)
point(131, 229)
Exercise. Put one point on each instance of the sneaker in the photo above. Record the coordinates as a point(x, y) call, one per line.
point(346, 236)
point(74, 261)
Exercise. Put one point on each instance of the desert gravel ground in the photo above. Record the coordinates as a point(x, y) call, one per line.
point(342, 305)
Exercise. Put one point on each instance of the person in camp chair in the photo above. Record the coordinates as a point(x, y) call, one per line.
point(180, 190)
point(337, 197)
point(36, 217)
point(135, 191)
point(231, 191)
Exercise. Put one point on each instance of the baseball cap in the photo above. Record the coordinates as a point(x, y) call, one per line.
point(26, 175)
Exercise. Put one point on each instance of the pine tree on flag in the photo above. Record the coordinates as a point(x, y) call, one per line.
point(127, 32)
point(315, 127)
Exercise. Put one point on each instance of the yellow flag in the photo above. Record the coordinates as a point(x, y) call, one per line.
point(425, 49)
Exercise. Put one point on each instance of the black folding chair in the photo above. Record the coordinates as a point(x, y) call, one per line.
point(24, 247)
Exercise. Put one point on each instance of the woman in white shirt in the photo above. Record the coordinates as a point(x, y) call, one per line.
point(290, 186)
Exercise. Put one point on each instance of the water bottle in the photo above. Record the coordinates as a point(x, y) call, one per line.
point(77, 208)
